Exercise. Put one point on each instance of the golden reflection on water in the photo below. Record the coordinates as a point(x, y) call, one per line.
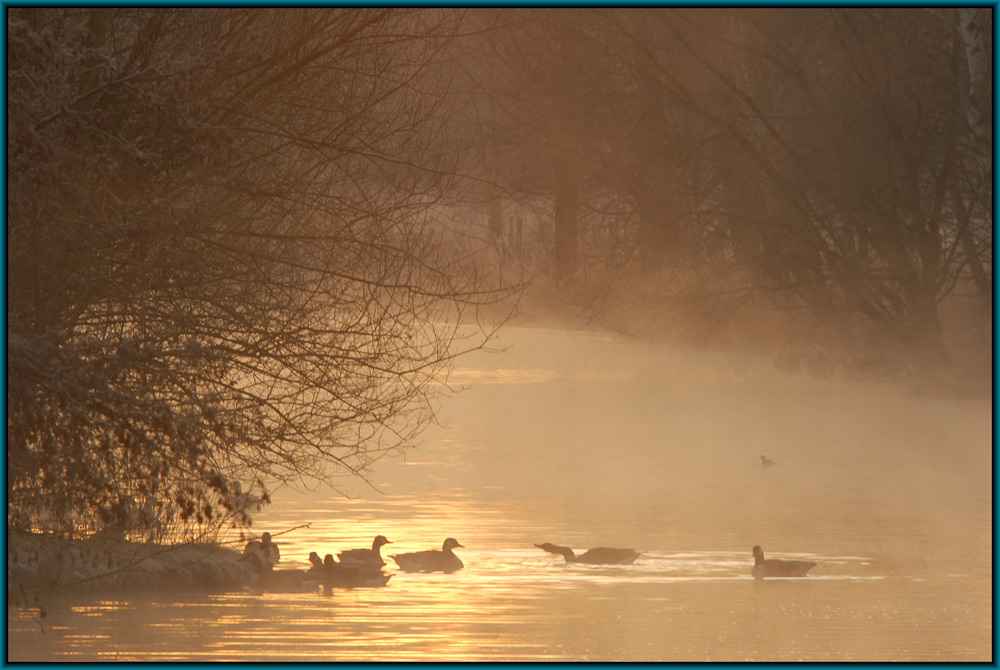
point(584, 442)
point(520, 603)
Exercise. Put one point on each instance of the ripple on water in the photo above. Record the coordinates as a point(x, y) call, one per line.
point(588, 442)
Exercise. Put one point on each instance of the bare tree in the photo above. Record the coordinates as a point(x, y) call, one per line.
point(839, 146)
point(533, 72)
point(832, 163)
point(223, 268)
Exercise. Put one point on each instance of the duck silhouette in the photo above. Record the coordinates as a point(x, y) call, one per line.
point(432, 560)
point(777, 568)
point(266, 578)
point(315, 565)
point(595, 556)
point(351, 576)
point(765, 462)
point(264, 549)
point(365, 557)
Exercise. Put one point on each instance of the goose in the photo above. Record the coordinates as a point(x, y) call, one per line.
point(432, 560)
point(365, 557)
point(765, 462)
point(777, 568)
point(266, 578)
point(315, 565)
point(595, 556)
point(352, 576)
point(266, 550)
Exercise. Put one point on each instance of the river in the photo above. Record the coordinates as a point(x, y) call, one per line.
point(586, 440)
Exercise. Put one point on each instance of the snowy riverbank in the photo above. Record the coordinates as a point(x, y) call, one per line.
point(39, 565)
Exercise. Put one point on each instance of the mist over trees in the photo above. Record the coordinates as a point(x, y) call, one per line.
point(827, 168)
point(222, 272)
point(241, 242)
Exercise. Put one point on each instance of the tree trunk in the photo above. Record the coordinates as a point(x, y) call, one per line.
point(493, 192)
point(655, 244)
point(923, 336)
point(494, 215)
point(963, 225)
point(978, 62)
point(566, 206)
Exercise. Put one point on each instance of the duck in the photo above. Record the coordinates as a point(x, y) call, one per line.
point(432, 560)
point(778, 568)
point(765, 462)
point(266, 550)
point(365, 557)
point(266, 578)
point(595, 556)
point(315, 565)
point(352, 576)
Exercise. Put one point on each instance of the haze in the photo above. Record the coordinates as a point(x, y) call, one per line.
point(683, 281)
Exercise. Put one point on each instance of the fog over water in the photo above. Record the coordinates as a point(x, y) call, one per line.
point(713, 288)
point(589, 440)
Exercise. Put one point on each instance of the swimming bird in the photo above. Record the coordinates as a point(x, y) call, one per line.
point(778, 568)
point(315, 565)
point(266, 550)
point(352, 576)
point(432, 560)
point(267, 578)
point(766, 462)
point(595, 556)
point(365, 557)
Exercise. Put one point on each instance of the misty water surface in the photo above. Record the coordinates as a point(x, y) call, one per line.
point(587, 440)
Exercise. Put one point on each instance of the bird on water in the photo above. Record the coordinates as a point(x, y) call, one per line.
point(766, 462)
point(352, 576)
point(265, 550)
point(432, 560)
point(777, 568)
point(266, 578)
point(365, 557)
point(315, 564)
point(595, 556)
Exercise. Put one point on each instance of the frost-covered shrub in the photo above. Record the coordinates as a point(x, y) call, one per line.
point(219, 271)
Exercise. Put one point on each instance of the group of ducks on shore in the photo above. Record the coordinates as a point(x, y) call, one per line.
point(355, 568)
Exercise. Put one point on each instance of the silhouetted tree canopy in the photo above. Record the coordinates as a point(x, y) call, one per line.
point(827, 162)
point(221, 269)
point(241, 241)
